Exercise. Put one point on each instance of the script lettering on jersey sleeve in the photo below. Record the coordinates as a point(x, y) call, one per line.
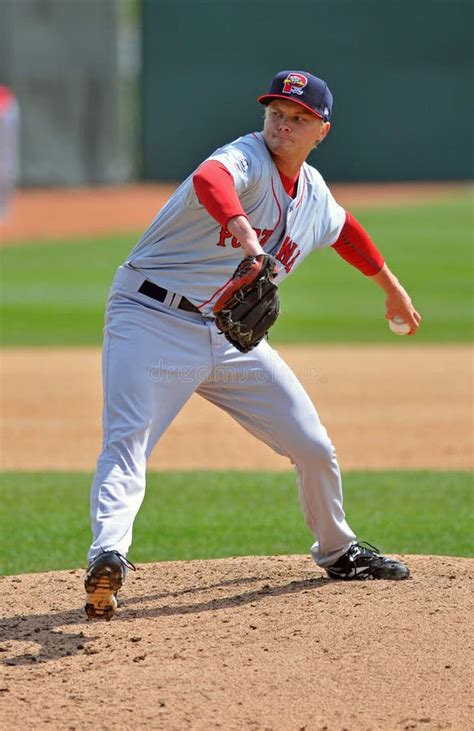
point(262, 234)
point(288, 253)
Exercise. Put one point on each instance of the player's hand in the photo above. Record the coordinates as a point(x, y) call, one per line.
point(398, 303)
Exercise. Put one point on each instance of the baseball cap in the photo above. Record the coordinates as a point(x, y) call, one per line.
point(303, 88)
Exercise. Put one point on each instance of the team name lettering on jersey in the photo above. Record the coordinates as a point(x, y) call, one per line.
point(288, 253)
point(263, 234)
point(173, 256)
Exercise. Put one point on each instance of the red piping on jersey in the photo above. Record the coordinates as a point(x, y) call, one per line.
point(214, 172)
point(356, 247)
point(279, 207)
point(215, 293)
point(224, 285)
point(302, 192)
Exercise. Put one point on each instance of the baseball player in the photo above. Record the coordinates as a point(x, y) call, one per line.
point(188, 312)
point(9, 148)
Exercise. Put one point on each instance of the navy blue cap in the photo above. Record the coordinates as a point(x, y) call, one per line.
point(303, 88)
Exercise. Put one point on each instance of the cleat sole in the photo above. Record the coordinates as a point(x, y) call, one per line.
point(101, 602)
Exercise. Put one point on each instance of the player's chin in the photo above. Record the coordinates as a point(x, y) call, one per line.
point(280, 148)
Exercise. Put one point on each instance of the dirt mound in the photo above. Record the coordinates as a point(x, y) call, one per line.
point(240, 643)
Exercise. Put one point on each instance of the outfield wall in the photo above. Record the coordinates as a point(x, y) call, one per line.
point(400, 71)
point(62, 59)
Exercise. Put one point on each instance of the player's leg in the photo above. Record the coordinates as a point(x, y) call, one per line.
point(262, 393)
point(152, 363)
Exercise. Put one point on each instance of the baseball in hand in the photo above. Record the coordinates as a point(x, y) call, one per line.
point(399, 326)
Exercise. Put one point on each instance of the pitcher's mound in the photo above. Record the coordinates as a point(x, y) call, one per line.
point(241, 643)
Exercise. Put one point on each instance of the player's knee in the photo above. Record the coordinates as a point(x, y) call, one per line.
point(315, 447)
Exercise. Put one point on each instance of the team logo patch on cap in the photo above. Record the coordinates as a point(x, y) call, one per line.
point(294, 84)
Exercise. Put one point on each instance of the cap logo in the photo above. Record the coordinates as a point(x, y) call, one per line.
point(294, 84)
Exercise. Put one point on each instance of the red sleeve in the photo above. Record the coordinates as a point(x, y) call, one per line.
point(214, 186)
point(356, 247)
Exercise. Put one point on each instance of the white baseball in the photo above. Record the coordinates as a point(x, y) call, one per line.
point(398, 326)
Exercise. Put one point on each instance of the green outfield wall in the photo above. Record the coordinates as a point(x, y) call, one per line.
point(400, 71)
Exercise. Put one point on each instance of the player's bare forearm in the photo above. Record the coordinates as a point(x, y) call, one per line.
point(245, 235)
point(397, 301)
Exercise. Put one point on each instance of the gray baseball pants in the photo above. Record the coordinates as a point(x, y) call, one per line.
point(154, 358)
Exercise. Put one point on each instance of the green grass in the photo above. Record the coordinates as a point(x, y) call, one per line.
point(54, 294)
point(44, 522)
point(429, 248)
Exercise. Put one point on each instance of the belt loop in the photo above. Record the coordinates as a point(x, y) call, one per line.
point(169, 299)
point(175, 301)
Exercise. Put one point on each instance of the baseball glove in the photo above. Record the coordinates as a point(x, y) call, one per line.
point(248, 305)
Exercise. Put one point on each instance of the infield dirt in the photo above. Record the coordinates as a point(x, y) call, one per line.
point(404, 406)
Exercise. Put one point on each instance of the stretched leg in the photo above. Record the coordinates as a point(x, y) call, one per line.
point(262, 393)
point(152, 363)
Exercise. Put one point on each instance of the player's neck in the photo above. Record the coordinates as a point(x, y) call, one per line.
point(289, 184)
point(288, 168)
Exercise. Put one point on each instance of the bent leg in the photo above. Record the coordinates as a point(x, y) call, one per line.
point(262, 393)
point(146, 383)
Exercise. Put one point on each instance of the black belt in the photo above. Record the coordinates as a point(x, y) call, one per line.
point(158, 293)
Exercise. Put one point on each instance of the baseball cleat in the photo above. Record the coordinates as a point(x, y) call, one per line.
point(363, 562)
point(104, 577)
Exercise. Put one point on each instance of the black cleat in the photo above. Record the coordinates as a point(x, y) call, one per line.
point(360, 563)
point(104, 577)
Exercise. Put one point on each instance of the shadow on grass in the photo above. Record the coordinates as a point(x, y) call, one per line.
point(43, 629)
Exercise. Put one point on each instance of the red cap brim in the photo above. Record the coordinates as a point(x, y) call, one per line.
point(265, 98)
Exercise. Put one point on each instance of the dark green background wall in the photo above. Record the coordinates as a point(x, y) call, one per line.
point(400, 72)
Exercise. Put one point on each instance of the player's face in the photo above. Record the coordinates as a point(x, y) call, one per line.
point(291, 132)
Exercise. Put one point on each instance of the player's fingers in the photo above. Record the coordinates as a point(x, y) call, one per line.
point(415, 323)
point(408, 314)
point(391, 312)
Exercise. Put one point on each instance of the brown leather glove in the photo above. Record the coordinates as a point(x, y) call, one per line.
point(248, 305)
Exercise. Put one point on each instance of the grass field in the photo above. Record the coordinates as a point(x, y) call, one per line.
point(44, 522)
point(53, 294)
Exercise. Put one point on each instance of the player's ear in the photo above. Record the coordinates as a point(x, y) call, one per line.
point(325, 129)
point(323, 133)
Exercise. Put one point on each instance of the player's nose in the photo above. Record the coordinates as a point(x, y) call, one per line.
point(284, 123)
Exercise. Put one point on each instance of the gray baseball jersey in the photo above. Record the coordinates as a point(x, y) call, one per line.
point(187, 252)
